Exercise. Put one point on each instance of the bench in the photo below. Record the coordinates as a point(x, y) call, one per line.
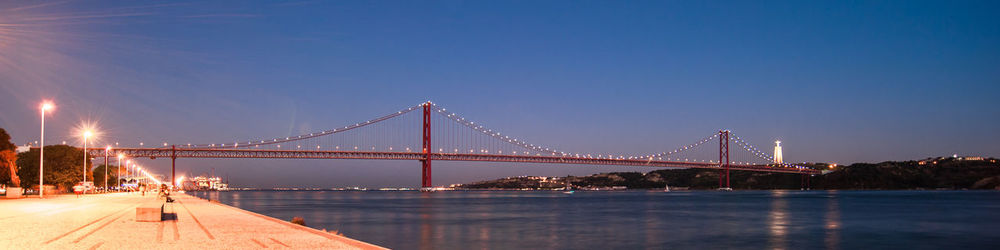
point(149, 212)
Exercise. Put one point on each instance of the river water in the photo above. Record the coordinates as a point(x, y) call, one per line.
point(642, 219)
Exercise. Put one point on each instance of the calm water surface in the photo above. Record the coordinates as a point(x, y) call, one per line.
point(642, 219)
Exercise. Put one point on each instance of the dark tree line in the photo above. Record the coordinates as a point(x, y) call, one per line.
point(8, 161)
point(63, 166)
point(942, 174)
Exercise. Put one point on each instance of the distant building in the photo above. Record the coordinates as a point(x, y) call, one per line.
point(209, 183)
point(935, 160)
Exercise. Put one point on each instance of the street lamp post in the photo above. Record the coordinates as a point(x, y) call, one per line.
point(41, 152)
point(106, 152)
point(118, 177)
point(128, 167)
point(86, 134)
point(131, 176)
point(138, 182)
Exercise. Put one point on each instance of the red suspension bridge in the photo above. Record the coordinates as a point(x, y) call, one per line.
point(453, 138)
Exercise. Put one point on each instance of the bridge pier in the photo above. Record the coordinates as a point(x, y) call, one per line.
point(805, 182)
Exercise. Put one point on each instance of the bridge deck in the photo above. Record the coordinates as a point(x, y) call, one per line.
point(318, 154)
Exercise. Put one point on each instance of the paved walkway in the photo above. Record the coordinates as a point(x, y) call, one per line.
point(107, 221)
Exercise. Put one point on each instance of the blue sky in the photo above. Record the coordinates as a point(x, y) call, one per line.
point(836, 81)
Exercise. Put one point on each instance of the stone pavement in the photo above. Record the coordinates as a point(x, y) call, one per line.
point(107, 221)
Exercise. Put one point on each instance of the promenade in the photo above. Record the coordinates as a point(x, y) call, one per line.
point(107, 221)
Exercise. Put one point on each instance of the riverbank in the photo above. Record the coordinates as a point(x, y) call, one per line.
point(107, 221)
point(942, 173)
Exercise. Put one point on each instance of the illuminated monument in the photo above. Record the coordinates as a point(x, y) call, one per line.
point(777, 152)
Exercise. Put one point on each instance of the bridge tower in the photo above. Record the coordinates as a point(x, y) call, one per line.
point(723, 158)
point(426, 162)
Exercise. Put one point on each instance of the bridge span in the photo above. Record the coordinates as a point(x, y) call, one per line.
point(390, 138)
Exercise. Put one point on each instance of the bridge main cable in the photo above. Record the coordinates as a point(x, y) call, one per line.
point(253, 143)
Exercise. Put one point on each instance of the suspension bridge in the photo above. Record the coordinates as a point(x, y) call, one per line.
point(427, 132)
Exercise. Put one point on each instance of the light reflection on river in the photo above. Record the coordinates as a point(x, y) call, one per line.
point(776, 219)
point(641, 219)
point(831, 223)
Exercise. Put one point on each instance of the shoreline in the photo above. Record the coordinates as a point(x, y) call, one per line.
point(325, 234)
point(584, 190)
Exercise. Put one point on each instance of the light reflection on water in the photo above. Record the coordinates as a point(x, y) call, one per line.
point(777, 223)
point(640, 219)
point(831, 222)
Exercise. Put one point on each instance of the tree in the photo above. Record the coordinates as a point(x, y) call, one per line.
point(8, 160)
point(112, 175)
point(62, 165)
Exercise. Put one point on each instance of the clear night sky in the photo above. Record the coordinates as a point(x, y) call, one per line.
point(836, 81)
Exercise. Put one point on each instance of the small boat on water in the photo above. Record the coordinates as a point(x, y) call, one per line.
point(666, 188)
point(568, 189)
point(725, 189)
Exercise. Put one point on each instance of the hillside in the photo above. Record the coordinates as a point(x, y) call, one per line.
point(938, 173)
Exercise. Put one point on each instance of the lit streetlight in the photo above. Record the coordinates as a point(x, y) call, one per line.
point(177, 183)
point(47, 105)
